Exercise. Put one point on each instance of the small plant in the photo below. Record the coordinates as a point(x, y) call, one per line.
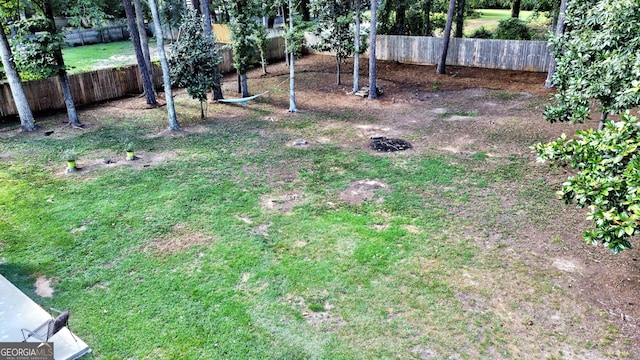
point(435, 86)
point(130, 150)
point(70, 156)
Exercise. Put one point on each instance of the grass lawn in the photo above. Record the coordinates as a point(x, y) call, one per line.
point(491, 17)
point(182, 261)
point(90, 57)
point(228, 242)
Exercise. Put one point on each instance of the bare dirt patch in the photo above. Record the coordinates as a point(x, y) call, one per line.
point(283, 203)
point(179, 240)
point(364, 190)
point(44, 287)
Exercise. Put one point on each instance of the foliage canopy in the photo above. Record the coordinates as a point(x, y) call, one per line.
point(193, 58)
point(598, 60)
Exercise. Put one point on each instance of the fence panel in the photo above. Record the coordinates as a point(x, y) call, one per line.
point(484, 53)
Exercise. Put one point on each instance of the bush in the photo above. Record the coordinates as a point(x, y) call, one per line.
point(482, 33)
point(513, 29)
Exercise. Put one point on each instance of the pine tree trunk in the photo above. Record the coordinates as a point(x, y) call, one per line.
point(244, 85)
point(427, 13)
point(17, 91)
point(62, 71)
point(460, 19)
point(166, 77)
point(147, 83)
point(208, 31)
point(144, 40)
point(373, 89)
point(560, 27)
point(446, 38)
point(603, 118)
point(292, 93)
point(515, 9)
point(356, 53)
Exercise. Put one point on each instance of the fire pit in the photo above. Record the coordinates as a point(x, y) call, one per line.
point(384, 144)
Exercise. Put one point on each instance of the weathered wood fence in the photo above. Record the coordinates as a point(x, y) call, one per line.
point(105, 84)
point(483, 53)
point(79, 37)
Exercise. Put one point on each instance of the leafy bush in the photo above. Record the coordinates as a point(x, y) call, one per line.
point(482, 33)
point(512, 29)
point(608, 178)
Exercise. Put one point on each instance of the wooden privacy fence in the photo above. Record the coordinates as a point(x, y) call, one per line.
point(106, 84)
point(78, 37)
point(483, 53)
point(87, 88)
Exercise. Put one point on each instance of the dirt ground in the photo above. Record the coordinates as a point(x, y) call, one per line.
point(467, 112)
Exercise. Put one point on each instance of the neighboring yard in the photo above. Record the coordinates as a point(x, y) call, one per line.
point(262, 234)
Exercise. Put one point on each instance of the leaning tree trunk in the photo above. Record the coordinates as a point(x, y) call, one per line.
point(166, 77)
point(373, 87)
point(147, 82)
point(292, 72)
point(17, 91)
point(208, 31)
point(447, 37)
point(144, 40)
point(356, 52)
point(560, 27)
point(62, 71)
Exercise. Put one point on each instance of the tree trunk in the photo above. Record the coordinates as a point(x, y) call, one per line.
point(144, 40)
point(401, 11)
point(206, 14)
point(447, 37)
point(166, 77)
point(243, 85)
point(356, 53)
point(17, 91)
point(62, 71)
point(373, 87)
point(559, 31)
point(304, 9)
point(292, 72)
point(603, 118)
point(427, 13)
point(147, 83)
point(515, 9)
point(460, 19)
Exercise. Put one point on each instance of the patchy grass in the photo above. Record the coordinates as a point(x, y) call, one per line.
point(233, 243)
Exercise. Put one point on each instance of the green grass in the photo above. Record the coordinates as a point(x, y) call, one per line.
point(183, 259)
point(491, 17)
point(86, 58)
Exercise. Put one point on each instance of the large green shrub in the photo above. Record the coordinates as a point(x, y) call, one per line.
point(513, 29)
point(607, 179)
